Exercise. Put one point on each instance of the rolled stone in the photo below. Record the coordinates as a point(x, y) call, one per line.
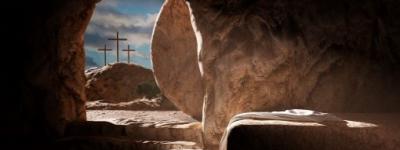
point(174, 57)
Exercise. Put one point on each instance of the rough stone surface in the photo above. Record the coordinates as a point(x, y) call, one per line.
point(123, 117)
point(49, 91)
point(357, 132)
point(159, 103)
point(174, 58)
point(149, 125)
point(116, 129)
point(107, 143)
point(331, 56)
point(120, 82)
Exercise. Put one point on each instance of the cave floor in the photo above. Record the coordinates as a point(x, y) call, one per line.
point(133, 129)
point(127, 117)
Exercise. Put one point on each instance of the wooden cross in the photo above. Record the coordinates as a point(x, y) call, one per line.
point(118, 39)
point(105, 55)
point(128, 50)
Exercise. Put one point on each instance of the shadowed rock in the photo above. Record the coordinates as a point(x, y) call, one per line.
point(357, 132)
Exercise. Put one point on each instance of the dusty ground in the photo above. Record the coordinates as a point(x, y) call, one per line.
point(125, 117)
point(145, 121)
point(138, 104)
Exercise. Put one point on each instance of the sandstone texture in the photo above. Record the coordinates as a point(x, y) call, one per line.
point(120, 82)
point(142, 130)
point(159, 103)
point(49, 91)
point(358, 131)
point(174, 57)
point(331, 56)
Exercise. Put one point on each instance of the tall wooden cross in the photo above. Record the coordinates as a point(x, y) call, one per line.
point(118, 39)
point(128, 50)
point(105, 50)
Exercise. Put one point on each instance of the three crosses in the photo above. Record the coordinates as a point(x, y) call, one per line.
point(105, 49)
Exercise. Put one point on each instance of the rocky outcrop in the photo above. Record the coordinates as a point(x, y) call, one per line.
point(120, 82)
point(174, 58)
point(332, 56)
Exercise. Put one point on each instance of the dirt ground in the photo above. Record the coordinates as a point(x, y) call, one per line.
point(138, 104)
point(125, 117)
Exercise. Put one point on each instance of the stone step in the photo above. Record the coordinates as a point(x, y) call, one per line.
point(114, 143)
point(138, 131)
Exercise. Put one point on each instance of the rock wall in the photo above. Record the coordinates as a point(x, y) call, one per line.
point(49, 91)
point(332, 56)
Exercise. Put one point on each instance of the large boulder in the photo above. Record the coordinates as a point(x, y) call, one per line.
point(332, 56)
point(174, 57)
point(120, 82)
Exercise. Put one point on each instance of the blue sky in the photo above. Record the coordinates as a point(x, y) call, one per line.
point(133, 19)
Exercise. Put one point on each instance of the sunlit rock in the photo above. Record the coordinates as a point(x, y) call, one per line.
point(174, 57)
point(120, 82)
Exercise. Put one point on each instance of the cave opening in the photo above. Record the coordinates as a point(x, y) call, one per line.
point(356, 71)
point(120, 86)
point(133, 21)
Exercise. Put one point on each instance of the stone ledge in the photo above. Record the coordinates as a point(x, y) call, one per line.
point(359, 132)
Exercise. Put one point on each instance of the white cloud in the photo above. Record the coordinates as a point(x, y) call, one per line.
point(116, 3)
point(134, 39)
point(136, 28)
point(138, 39)
point(109, 20)
point(114, 15)
point(108, 3)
